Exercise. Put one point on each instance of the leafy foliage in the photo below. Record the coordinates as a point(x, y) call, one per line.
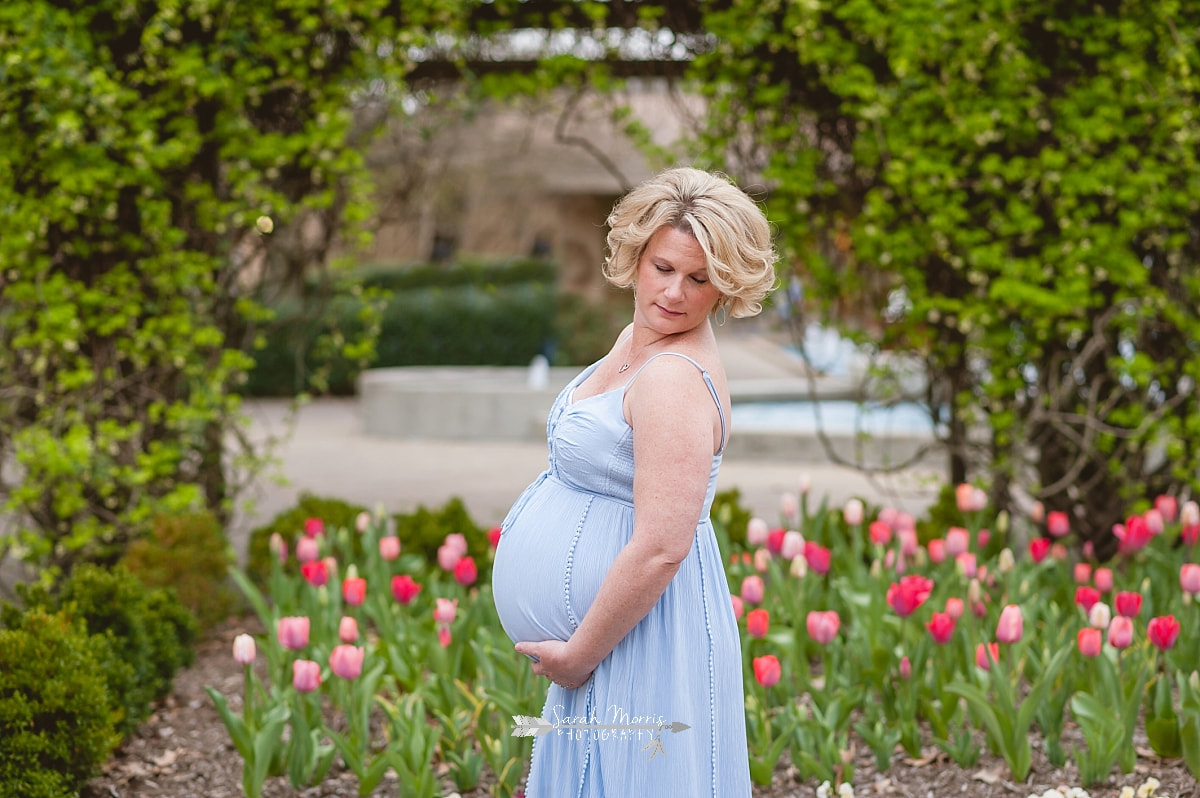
point(1006, 190)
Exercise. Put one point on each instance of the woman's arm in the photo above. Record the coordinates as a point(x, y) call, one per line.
point(673, 418)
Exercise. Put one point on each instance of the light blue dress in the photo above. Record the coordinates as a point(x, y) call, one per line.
point(679, 664)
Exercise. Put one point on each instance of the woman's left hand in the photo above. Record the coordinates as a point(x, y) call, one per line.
point(552, 659)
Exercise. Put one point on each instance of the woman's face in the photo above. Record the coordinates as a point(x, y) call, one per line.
point(673, 293)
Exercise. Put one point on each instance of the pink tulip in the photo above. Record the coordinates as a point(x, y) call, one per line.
point(817, 557)
point(457, 542)
point(941, 627)
point(348, 629)
point(389, 547)
point(1129, 603)
point(1090, 641)
point(1189, 578)
point(958, 540)
point(909, 545)
point(954, 607)
point(279, 547)
point(1011, 624)
point(444, 638)
point(244, 650)
point(937, 550)
point(1189, 523)
point(756, 532)
point(445, 611)
point(910, 593)
point(316, 573)
point(448, 557)
point(758, 622)
point(307, 549)
point(1037, 512)
point(313, 527)
point(1167, 506)
point(739, 607)
point(1038, 549)
point(1154, 521)
point(354, 590)
point(983, 537)
point(1163, 631)
point(966, 564)
point(823, 626)
point(465, 572)
point(1082, 573)
point(969, 498)
point(1057, 524)
point(1134, 535)
point(362, 522)
point(752, 589)
point(905, 668)
point(762, 559)
point(1120, 632)
point(346, 661)
point(404, 589)
point(852, 512)
point(1102, 578)
point(292, 632)
point(880, 533)
point(982, 652)
point(306, 675)
point(767, 670)
point(789, 506)
point(792, 546)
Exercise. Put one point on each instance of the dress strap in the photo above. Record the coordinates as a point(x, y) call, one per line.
point(712, 389)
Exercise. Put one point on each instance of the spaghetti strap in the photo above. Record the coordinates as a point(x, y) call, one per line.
point(712, 389)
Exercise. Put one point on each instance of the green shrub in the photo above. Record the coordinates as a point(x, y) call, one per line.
point(144, 634)
point(730, 518)
point(55, 728)
point(290, 525)
point(423, 530)
point(190, 554)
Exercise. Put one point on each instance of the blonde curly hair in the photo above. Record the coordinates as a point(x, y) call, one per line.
point(729, 227)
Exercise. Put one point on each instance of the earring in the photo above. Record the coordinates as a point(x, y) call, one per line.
point(723, 312)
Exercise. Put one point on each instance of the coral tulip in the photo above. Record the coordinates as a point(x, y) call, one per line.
point(306, 675)
point(910, 593)
point(389, 547)
point(969, 498)
point(244, 650)
point(758, 622)
point(404, 589)
point(739, 607)
point(348, 629)
point(1189, 578)
point(316, 573)
point(1057, 523)
point(762, 559)
point(817, 556)
point(880, 533)
point(1128, 603)
point(823, 626)
point(1163, 631)
point(465, 571)
point(1038, 549)
point(354, 590)
point(954, 607)
point(346, 661)
point(292, 632)
point(937, 550)
point(941, 626)
point(767, 670)
point(1090, 641)
point(752, 589)
point(986, 653)
point(1011, 624)
point(1120, 632)
point(1082, 573)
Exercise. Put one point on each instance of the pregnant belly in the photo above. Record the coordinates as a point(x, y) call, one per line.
point(553, 555)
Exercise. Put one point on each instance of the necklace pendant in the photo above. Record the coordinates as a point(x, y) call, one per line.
point(622, 369)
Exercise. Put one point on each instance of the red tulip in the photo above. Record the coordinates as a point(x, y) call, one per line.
point(1057, 523)
point(937, 550)
point(1090, 641)
point(1189, 578)
point(404, 589)
point(982, 654)
point(954, 607)
point(389, 547)
point(758, 622)
point(1086, 597)
point(443, 634)
point(1120, 632)
point(346, 661)
point(1134, 535)
point(767, 670)
point(775, 540)
point(817, 556)
point(823, 626)
point(306, 675)
point(354, 590)
point(1011, 624)
point(1039, 548)
point(348, 629)
point(465, 572)
point(941, 626)
point(494, 536)
point(1128, 603)
point(313, 527)
point(752, 589)
point(316, 572)
point(1163, 631)
point(910, 593)
point(292, 632)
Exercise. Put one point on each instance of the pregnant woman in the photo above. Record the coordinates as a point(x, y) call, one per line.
point(607, 575)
